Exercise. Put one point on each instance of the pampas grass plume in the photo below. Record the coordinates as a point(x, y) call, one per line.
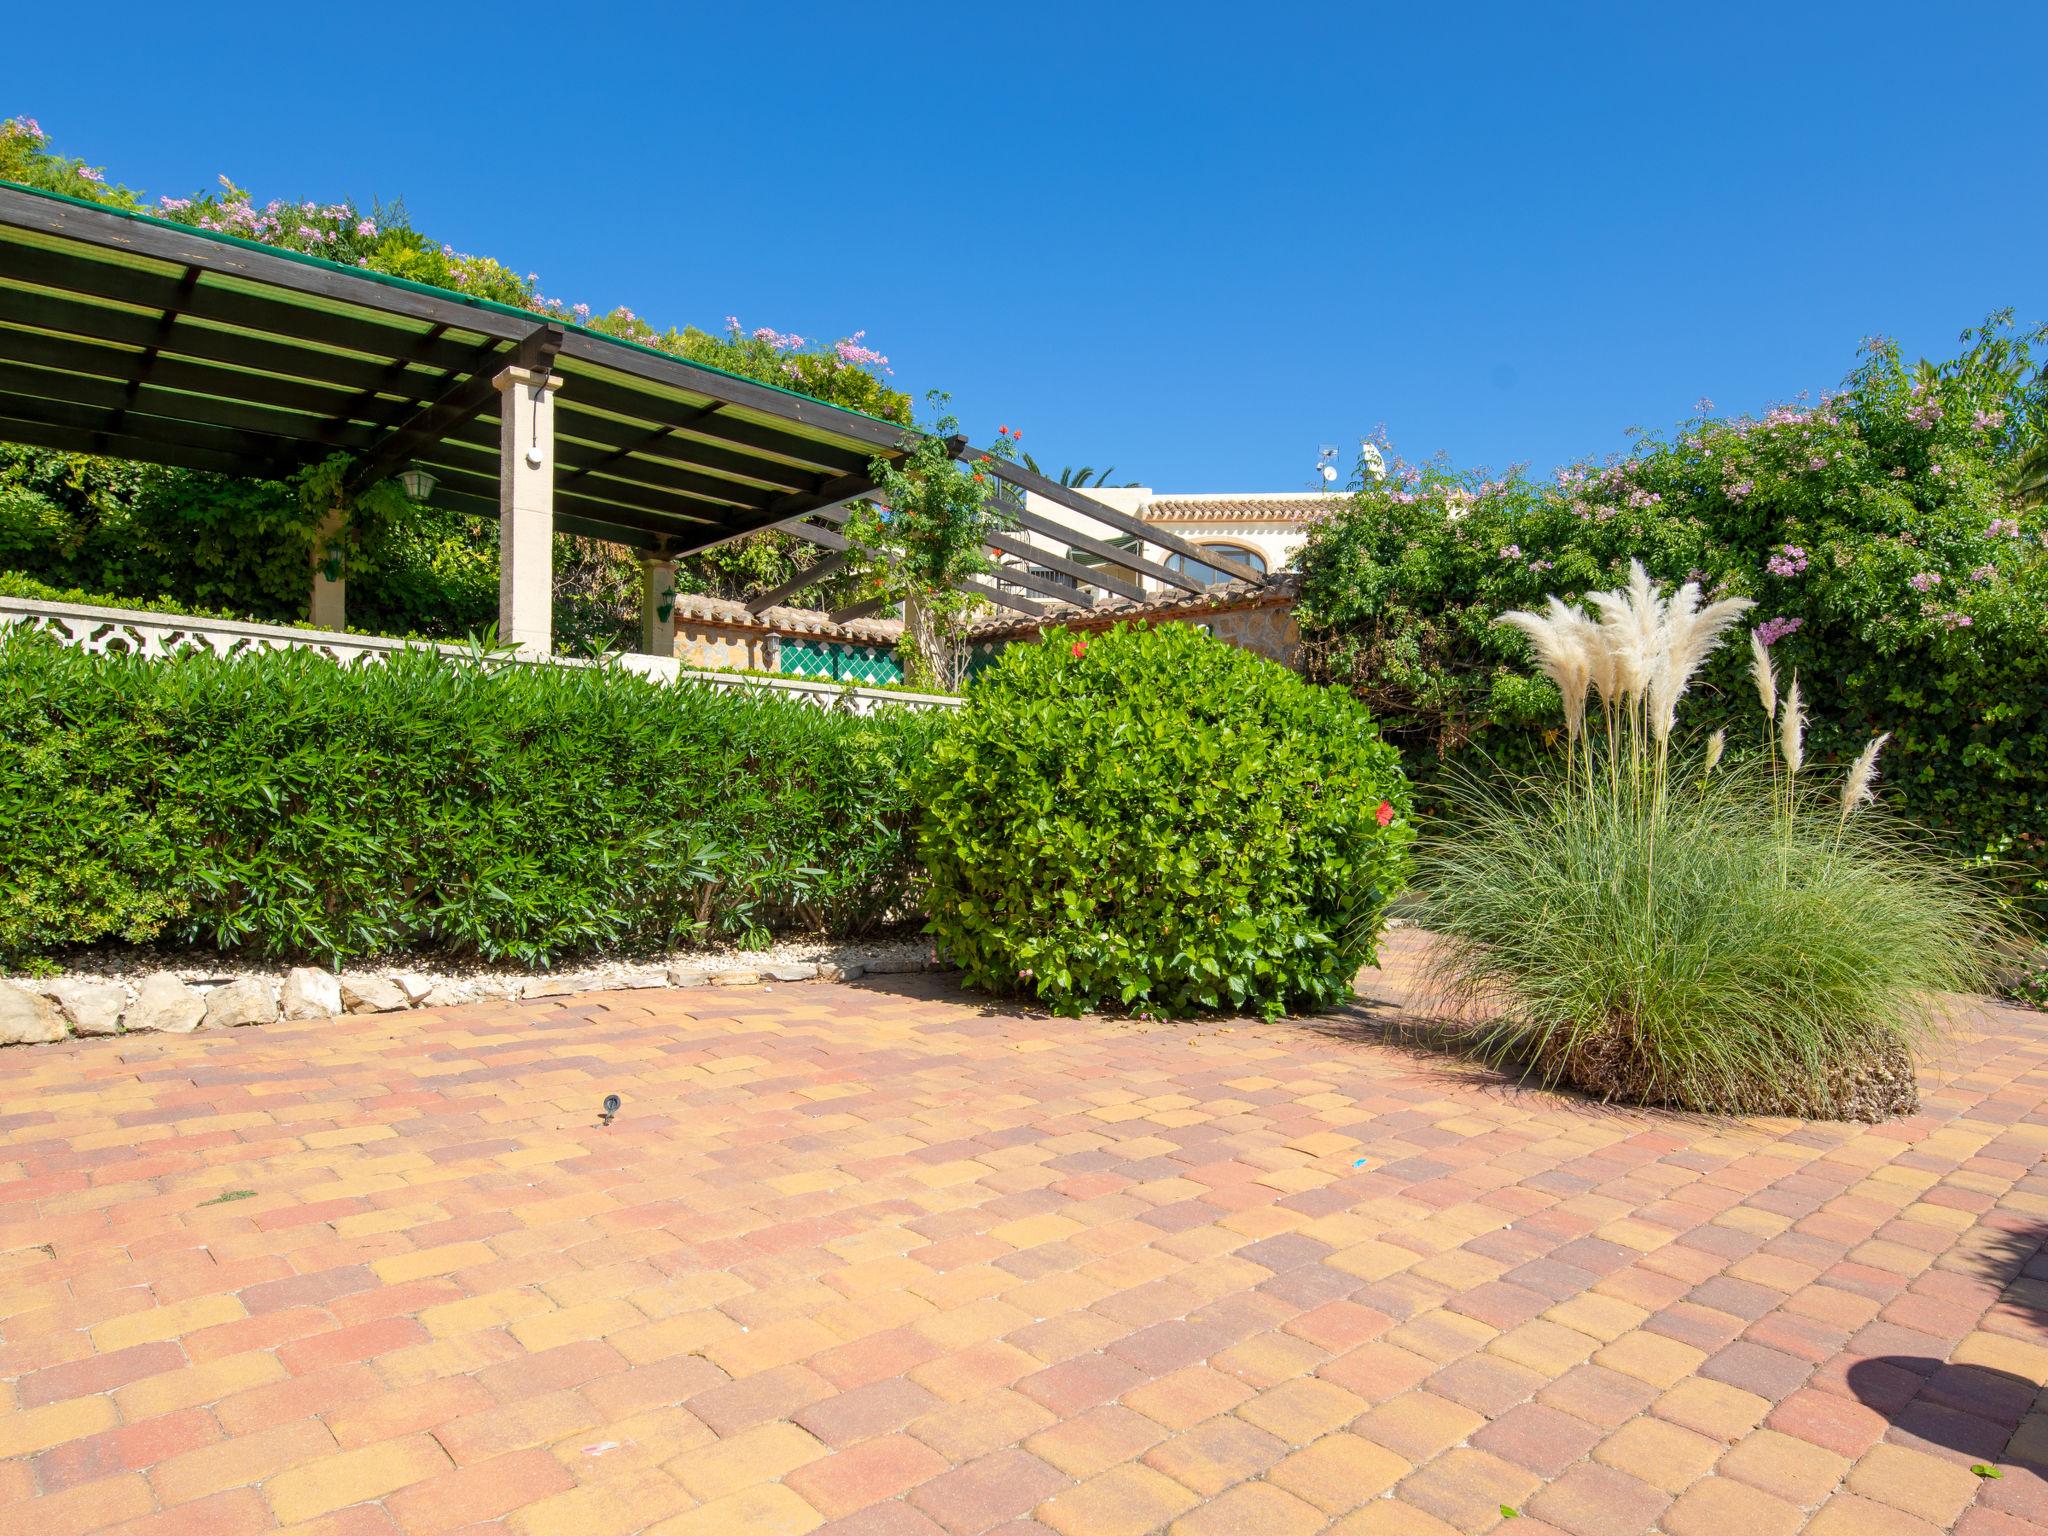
point(1716, 745)
point(1856, 789)
point(1792, 729)
point(1765, 674)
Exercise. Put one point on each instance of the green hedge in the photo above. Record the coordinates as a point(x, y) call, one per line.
point(280, 804)
point(1151, 818)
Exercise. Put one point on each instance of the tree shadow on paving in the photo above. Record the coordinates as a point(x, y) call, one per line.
point(2016, 1258)
point(1971, 1409)
point(1976, 1410)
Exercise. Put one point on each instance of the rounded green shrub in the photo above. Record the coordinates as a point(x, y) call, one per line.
point(1151, 818)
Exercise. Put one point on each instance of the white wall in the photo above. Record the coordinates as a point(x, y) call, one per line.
point(1278, 541)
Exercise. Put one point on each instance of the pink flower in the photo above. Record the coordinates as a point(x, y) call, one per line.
point(1789, 562)
point(1740, 489)
point(1080, 647)
point(2008, 527)
point(1385, 814)
point(1511, 552)
point(1771, 631)
point(1926, 581)
point(1956, 621)
point(90, 174)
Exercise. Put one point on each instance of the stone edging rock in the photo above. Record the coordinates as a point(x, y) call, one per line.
point(39, 1012)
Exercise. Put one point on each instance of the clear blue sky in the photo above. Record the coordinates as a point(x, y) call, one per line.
point(1196, 242)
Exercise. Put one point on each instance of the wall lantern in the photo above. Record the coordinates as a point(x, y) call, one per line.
point(419, 483)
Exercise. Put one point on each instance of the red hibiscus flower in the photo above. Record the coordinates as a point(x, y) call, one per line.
point(1080, 649)
point(1385, 813)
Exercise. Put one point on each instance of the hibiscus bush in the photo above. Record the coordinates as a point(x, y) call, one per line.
point(1152, 819)
point(1881, 532)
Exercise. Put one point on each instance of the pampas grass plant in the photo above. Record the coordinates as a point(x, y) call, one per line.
point(1696, 933)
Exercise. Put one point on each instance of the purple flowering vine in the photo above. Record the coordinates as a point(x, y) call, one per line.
point(1789, 561)
point(1771, 631)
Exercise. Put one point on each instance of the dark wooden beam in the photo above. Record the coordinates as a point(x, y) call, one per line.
point(1016, 544)
point(68, 354)
point(265, 457)
point(810, 576)
point(177, 451)
point(113, 400)
point(1045, 585)
point(1004, 599)
point(1122, 522)
point(463, 402)
point(96, 323)
point(865, 609)
point(824, 538)
point(1101, 549)
point(358, 328)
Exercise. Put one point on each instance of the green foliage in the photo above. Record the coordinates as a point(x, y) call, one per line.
point(1153, 819)
point(27, 159)
point(1706, 950)
point(925, 532)
point(1877, 532)
point(1680, 933)
point(280, 804)
point(2025, 979)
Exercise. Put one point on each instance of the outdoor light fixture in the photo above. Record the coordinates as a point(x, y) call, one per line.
point(419, 483)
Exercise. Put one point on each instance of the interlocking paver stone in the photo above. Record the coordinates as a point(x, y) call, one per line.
point(887, 1260)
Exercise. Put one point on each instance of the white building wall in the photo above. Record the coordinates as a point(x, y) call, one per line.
point(1277, 534)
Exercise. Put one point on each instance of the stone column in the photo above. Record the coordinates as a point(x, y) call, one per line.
point(526, 510)
point(657, 606)
point(328, 608)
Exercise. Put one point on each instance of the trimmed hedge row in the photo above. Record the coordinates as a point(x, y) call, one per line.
point(280, 804)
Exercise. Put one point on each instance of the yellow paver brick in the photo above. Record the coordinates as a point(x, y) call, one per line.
point(762, 1454)
point(354, 1477)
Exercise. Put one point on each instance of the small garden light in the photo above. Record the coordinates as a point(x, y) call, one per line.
point(418, 483)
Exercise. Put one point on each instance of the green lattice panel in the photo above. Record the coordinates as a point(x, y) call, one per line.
point(839, 663)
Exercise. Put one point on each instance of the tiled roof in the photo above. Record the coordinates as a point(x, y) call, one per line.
point(1273, 592)
point(1251, 507)
point(786, 621)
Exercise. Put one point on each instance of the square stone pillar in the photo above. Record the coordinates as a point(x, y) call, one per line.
point(328, 607)
point(526, 510)
point(657, 606)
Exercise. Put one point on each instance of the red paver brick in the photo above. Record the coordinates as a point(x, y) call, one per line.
point(1129, 1281)
point(1593, 1500)
point(866, 1474)
point(1006, 1486)
point(97, 1373)
point(482, 1491)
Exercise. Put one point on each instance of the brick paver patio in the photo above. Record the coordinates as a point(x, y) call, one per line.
point(880, 1261)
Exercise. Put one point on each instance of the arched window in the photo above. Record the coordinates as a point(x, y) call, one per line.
point(1208, 575)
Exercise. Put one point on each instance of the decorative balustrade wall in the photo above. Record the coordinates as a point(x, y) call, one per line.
point(157, 635)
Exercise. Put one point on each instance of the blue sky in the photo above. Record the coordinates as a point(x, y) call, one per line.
point(1196, 242)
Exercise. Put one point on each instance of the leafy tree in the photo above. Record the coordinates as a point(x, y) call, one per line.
point(924, 533)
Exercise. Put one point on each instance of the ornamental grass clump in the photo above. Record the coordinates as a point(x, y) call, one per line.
point(1656, 925)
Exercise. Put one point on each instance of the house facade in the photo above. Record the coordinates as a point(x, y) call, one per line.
point(1259, 530)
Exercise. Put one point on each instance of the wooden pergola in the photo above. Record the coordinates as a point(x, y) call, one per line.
point(131, 337)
